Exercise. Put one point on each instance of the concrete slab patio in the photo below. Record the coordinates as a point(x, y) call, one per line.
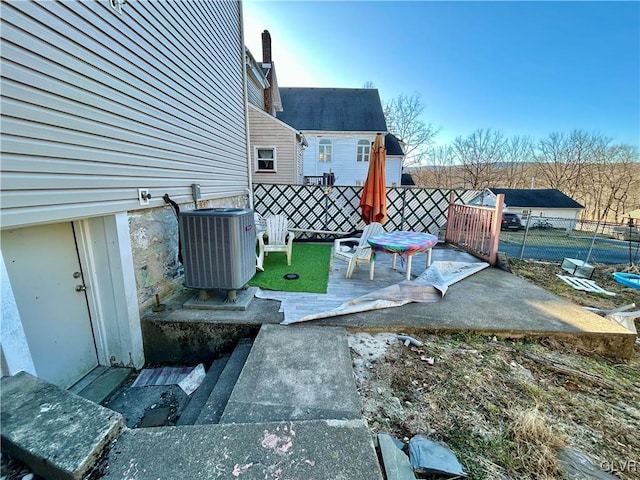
point(327, 449)
point(491, 301)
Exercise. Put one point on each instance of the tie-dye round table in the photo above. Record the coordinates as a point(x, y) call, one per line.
point(402, 243)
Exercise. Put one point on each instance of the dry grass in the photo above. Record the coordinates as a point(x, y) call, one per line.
point(535, 442)
point(503, 414)
point(544, 275)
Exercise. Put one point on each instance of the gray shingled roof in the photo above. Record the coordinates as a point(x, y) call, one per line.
point(538, 198)
point(407, 179)
point(392, 145)
point(332, 109)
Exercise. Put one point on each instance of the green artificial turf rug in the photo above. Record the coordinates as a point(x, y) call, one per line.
point(310, 262)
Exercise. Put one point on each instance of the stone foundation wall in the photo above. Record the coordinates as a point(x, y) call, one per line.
point(154, 244)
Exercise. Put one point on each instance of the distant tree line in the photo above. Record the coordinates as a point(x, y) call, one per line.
point(587, 166)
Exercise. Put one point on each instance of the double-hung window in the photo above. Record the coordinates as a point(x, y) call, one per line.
point(265, 159)
point(324, 150)
point(364, 150)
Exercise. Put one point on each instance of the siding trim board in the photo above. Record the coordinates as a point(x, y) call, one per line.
point(97, 104)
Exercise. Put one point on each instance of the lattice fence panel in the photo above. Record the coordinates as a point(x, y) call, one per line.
point(319, 208)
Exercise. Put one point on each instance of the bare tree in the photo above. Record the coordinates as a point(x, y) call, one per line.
point(404, 119)
point(605, 178)
point(561, 159)
point(612, 179)
point(368, 84)
point(513, 169)
point(552, 161)
point(438, 170)
point(478, 155)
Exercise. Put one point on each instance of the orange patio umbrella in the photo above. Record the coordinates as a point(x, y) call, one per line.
point(373, 201)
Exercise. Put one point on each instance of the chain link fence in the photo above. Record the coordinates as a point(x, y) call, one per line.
point(555, 238)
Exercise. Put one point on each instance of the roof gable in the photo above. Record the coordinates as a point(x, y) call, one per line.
point(333, 109)
point(537, 198)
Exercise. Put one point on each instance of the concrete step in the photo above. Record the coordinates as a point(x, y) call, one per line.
point(328, 449)
point(200, 396)
point(57, 434)
point(101, 383)
point(217, 400)
point(295, 373)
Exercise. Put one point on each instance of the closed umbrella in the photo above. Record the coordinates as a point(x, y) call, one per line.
point(373, 201)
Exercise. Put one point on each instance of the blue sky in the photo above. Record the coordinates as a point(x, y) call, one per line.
point(524, 68)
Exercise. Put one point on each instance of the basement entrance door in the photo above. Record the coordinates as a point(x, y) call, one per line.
point(46, 278)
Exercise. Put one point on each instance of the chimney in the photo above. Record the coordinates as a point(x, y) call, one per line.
point(266, 47)
point(266, 59)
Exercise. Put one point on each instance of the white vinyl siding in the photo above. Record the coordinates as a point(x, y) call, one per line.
point(393, 171)
point(97, 104)
point(255, 92)
point(346, 170)
point(299, 164)
point(267, 130)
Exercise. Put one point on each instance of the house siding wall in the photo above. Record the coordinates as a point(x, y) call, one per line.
point(393, 171)
point(299, 164)
point(558, 217)
point(267, 131)
point(97, 104)
point(347, 170)
point(255, 93)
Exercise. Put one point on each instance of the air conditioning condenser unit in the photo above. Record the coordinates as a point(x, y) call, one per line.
point(218, 248)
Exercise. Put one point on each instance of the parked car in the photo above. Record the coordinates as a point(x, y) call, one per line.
point(511, 221)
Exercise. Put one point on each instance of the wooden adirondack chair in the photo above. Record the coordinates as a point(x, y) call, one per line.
point(361, 253)
point(280, 239)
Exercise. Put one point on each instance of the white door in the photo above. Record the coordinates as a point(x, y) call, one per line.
point(45, 274)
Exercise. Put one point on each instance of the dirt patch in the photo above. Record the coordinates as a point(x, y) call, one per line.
point(506, 408)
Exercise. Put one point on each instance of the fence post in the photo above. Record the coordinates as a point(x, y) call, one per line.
point(495, 229)
point(593, 240)
point(326, 209)
point(449, 231)
point(526, 235)
point(404, 199)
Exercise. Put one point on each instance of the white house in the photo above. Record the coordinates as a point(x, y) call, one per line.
point(548, 205)
point(340, 124)
point(109, 110)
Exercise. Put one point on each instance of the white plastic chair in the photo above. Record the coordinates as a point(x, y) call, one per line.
point(361, 253)
point(280, 239)
point(260, 222)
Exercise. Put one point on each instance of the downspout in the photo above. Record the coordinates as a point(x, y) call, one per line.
point(246, 112)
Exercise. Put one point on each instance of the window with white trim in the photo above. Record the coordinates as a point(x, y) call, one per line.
point(265, 159)
point(364, 150)
point(324, 150)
